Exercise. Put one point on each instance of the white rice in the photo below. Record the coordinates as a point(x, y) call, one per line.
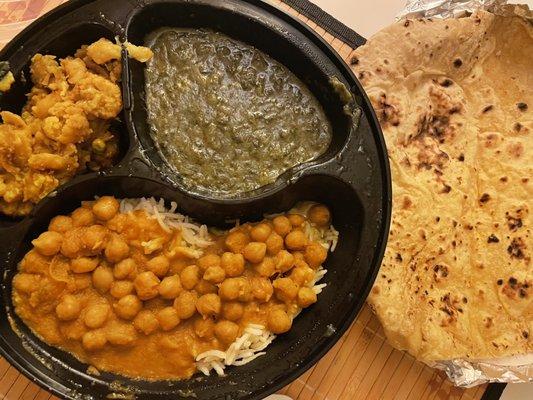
point(255, 338)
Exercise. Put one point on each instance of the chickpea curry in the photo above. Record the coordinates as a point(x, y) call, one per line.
point(125, 293)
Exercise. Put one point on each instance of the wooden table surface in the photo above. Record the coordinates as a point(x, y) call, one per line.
point(362, 365)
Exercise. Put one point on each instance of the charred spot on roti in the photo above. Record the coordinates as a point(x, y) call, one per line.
point(484, 198)
point(388, 113)
point(515, 289)
point(457, 62)
point(522, 106)
point(493, 239)
point(446, 82)
point(517, 248)
point(514, 220)
point(515, 149)
point(488, 108)
point(440, 272)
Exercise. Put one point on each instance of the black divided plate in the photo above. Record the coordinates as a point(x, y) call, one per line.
point(352, 179)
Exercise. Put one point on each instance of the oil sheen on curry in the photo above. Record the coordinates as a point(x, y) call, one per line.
point(227, 117)
point(144, 292)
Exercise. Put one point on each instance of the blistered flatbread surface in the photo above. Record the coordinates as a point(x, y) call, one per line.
point(455, 101)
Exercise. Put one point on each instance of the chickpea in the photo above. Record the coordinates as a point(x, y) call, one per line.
point(284, 261)
point(319, 215)
point(118, 223)
point(315, 254)
point(68, 309)
point(185, 304)
point(278, 321)
point(262, 289)
point(168, 318)
point(226, 331)
point(146, 322)
point(235, 288)
point(204, 328)
point(170, 287)
point(254, 252)
point(121, 334)
point(306, 297)
point(116, 249)
point(232, 310)
point(159, 265)
point(128, 307)
point(60, 224)
point(296, 240)
point(235, 241)
point(34, 262)
point(274, 244)
point(95, 237)
point(82, 217)
point(214, 274)
point(233, 264)
point(26, 283)
point(83, 265)
point(125, 268)
point(102, 278)
point(94, 340)
point(285, 289)
point(296, 220)
point(260, 232)
point(146, 285)
point(298, 256)
point(209, 305)
point(205, 287)
point(72, 244)
point(81, 282)
point(302, 274)
point(209, 260)
point(120, 289)
point(96, 315)
point(105, 208)
point(190, 276)
point(265, 268)
point(48, 243)
point(282, 225)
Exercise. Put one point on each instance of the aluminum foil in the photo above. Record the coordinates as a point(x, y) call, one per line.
point(448, 8)
point(468, 373)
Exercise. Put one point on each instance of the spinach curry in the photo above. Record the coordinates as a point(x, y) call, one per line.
point(225, 116)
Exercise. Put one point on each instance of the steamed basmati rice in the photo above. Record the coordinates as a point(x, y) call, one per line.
point(255, 338)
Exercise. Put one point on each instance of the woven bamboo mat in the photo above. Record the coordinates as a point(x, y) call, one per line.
point(362, 365)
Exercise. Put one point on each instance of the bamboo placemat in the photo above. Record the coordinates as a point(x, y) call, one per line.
point(362, 365)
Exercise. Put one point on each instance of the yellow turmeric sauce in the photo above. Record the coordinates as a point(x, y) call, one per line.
point(125, 295)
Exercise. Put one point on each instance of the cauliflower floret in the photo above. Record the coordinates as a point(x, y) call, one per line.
point(103, 50)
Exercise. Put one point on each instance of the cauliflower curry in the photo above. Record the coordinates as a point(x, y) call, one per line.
point(123, 294)
point(64, 126)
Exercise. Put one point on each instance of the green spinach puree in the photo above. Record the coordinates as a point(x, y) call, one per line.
point(227, 117)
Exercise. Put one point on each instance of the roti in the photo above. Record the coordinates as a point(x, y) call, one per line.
point(455, 101)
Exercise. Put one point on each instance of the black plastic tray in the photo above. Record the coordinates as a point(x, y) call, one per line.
point(352, 178)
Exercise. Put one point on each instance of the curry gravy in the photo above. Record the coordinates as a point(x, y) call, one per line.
point(227, 117)
point(124, 295)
